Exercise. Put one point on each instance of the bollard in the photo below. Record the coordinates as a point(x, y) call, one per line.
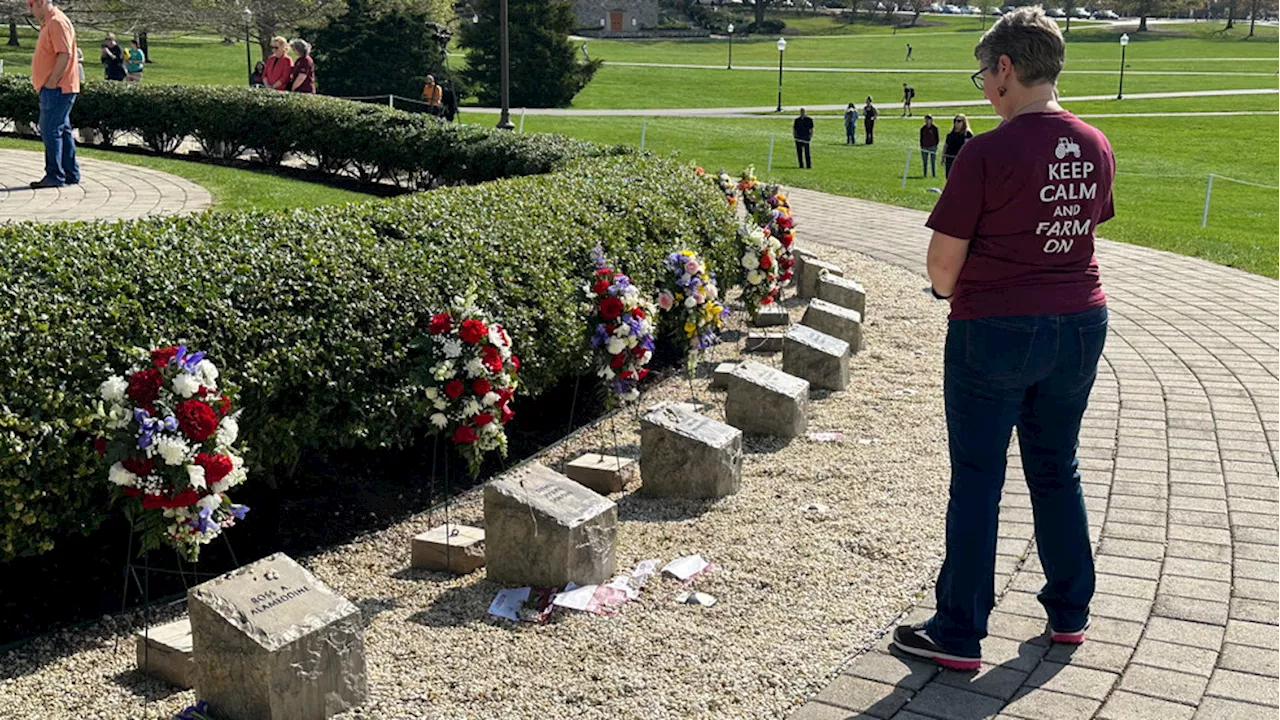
point(391, 100)
point(521, 120)
point(643, 125)
point(1204, 219)
point(906, 167)
point(769, 168)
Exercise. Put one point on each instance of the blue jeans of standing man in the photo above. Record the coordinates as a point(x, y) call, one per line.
point(929, 161)
point(1035, 373)
point(60, 166)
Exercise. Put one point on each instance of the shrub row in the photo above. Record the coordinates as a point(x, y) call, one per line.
point(371, 142)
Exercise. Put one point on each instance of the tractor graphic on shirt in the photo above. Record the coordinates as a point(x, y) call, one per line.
point(1066, 146)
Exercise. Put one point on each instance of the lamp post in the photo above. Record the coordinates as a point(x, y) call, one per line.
point(782, 45)
point(504, 122)
point(730, 29)
point(1124, 42)
point(248, 60)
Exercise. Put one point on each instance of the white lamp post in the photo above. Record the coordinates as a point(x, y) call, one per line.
point(782, 45)
point(1124, 42)
point(248, 21)
point(730, 28)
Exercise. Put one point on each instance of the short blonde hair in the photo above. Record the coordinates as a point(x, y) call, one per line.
point(277, 40)
point(1030, 39)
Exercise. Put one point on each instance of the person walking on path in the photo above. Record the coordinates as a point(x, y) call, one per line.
point(869, 115)
point(54, 77)
point(908, 94)
point(1013, 250)
point(909, 52)
point(279, 66)
point(851, 125)
point(133, 62)
point(112, 57)
point(956, 139)
point(433, 96)
point(802, 132)
point(303, 76)
point(928, 147)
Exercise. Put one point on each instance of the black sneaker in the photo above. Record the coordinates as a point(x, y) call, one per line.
point(44, 183)
point(914, 640)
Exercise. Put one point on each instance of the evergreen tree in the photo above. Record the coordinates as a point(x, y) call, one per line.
point(379, 50)
point(544, 66)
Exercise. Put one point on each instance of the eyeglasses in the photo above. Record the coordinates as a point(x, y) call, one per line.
point(977, 78)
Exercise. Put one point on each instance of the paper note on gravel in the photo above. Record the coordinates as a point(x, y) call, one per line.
point(644, 570)
point(597, 599)
point(686, 568)
point(826, 437)
point(507, 603)
point(695, 598)
point(577, 598)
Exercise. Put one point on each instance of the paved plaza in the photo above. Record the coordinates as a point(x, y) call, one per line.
point(107, 191)
point(1178, 454)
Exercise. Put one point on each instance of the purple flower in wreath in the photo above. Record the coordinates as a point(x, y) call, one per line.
point(238, 511)
point(600, 336)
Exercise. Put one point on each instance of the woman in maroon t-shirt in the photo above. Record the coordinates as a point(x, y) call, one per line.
point(1012, 250)
point(303, 79)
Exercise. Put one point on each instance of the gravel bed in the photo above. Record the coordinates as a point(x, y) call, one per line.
point(799, 591)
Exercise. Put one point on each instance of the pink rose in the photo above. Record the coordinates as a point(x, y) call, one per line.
point(691, 267)
point(666, 300)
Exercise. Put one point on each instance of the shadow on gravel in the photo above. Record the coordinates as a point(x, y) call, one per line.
point(146, 688)
point(459, 606)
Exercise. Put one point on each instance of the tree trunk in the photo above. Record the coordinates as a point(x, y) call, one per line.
point(1068, 25)
point(13, 32)
point(1253, 17)
point(1231, 15)
point(1142, 24)
point(144, 45)
point(759, 8)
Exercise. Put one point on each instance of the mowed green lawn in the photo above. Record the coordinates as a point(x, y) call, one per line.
point(186, 60)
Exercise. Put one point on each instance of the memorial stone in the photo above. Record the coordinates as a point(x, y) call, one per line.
point(843, 292)
point(821, 359)
point(811, 272)
point(835, 320)
point(766, 401)
point(603, 473)
point(543, 529)
point(688, 455)
point(164, 653)
point(272, 642)
point(760, 342)
point(450, 548)
point(771, 316)
point(720, 376)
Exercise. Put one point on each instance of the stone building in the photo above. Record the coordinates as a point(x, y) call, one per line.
point(616, 17)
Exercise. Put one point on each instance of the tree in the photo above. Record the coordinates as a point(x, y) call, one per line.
point(1147, 8)
point(377, 51)
point(12, 10)
point(1069, 7)
point(544, 67)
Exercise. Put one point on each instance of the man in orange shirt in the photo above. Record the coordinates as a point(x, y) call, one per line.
point(56, 78)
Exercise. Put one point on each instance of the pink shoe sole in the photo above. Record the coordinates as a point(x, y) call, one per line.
point(1073, 638)
point(961, 665)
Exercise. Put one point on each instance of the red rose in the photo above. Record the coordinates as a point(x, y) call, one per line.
point(440, 324)
point(504, 394)
point(766, 262)
point(163, 356)
point(215, 467)
point(618, 360)
point(453, 389)
point(482, 419)
point(642, 374)
point(473, 331)
point(638, 351)
point(465, 434)
point(139, 466)
point(610, 308)
point(507, 414)
point(196, 419)
point(185, 498)
point(625, 375)
point(100, 446)
point(224, 406)
point(481, 386)
point(785, 276)
point(491, 358)
point(766, 300)
point(601, 287)
point(144, 387)
point(604, 271)
point(638, 313)
point(515, 364)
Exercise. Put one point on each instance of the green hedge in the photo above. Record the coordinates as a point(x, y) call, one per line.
point(312, 312)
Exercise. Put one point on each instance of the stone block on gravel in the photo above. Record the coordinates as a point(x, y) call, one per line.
point(820, 358)
point(449, 548)
point(762, 342)
point(543, 529)
point(164, 653)
point(272, 641)
point(835, 320)
point(766, 401)
point(603, 473)
point(687, 455)
point(720, 376)
point(810, 271)
point(771, 316)
point(843, 292)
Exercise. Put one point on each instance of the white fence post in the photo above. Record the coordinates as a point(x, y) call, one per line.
point(1204, 219)
point(906, 167)
point(769, 167)
point(521, 120)
point(643, 126)
point(391, 100)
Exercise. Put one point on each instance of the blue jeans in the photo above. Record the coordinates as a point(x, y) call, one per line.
point(60, 166)
point(1035, 373)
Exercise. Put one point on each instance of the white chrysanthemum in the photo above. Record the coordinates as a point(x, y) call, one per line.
point(195, 474)
point(750, 261)
point(439, 420)
point(210, 502)
point(471, 407)
point(172, 449)
point(754, 277)
point(690, 302)
point(632, 341)
point(495, 335)
point(443, 370)
point(475, 368)
point(228, 431)
point(452, 348)
point(119, 417)
point(119, 476)
point(615, 345)
point(492, 428)
point(432, 393)
point(186, 385)
point(112, 389)
point(505, 351)
point(440, 403)
point(208, 373)
point(605, 372)
point(491, 398)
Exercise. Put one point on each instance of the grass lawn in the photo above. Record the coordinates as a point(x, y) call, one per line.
point(232, 188)
point(188, 60)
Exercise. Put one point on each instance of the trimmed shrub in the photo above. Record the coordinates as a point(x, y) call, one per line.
point(314, 312)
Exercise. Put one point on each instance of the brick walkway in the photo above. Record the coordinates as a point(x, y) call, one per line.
point(107, 191)
point(1178, 452)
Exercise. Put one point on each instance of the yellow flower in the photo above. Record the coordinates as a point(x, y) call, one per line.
point(689, 327)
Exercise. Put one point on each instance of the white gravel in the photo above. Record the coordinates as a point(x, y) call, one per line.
point(798, 592)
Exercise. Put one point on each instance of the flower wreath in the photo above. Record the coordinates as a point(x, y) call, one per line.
point(472, 378)
point(752, 199)
point(781, 224)
point(169, 435)
point(728, 187)
point(690, 295)
point(621, 322)
point(760, 261)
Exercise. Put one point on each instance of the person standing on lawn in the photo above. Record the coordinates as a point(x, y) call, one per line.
point(959, 135)
point(869, 115)
point(133, 62)
point(851, 125)
point(1013, 250)
point(55, 78)
point(279, 66)
point(112, 57)
point(802, 132)
point(303, 77)
point(908, 94)
point(928, 147)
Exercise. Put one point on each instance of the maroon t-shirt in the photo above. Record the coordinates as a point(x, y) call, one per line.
point(1028, 196)
point(305, 67)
